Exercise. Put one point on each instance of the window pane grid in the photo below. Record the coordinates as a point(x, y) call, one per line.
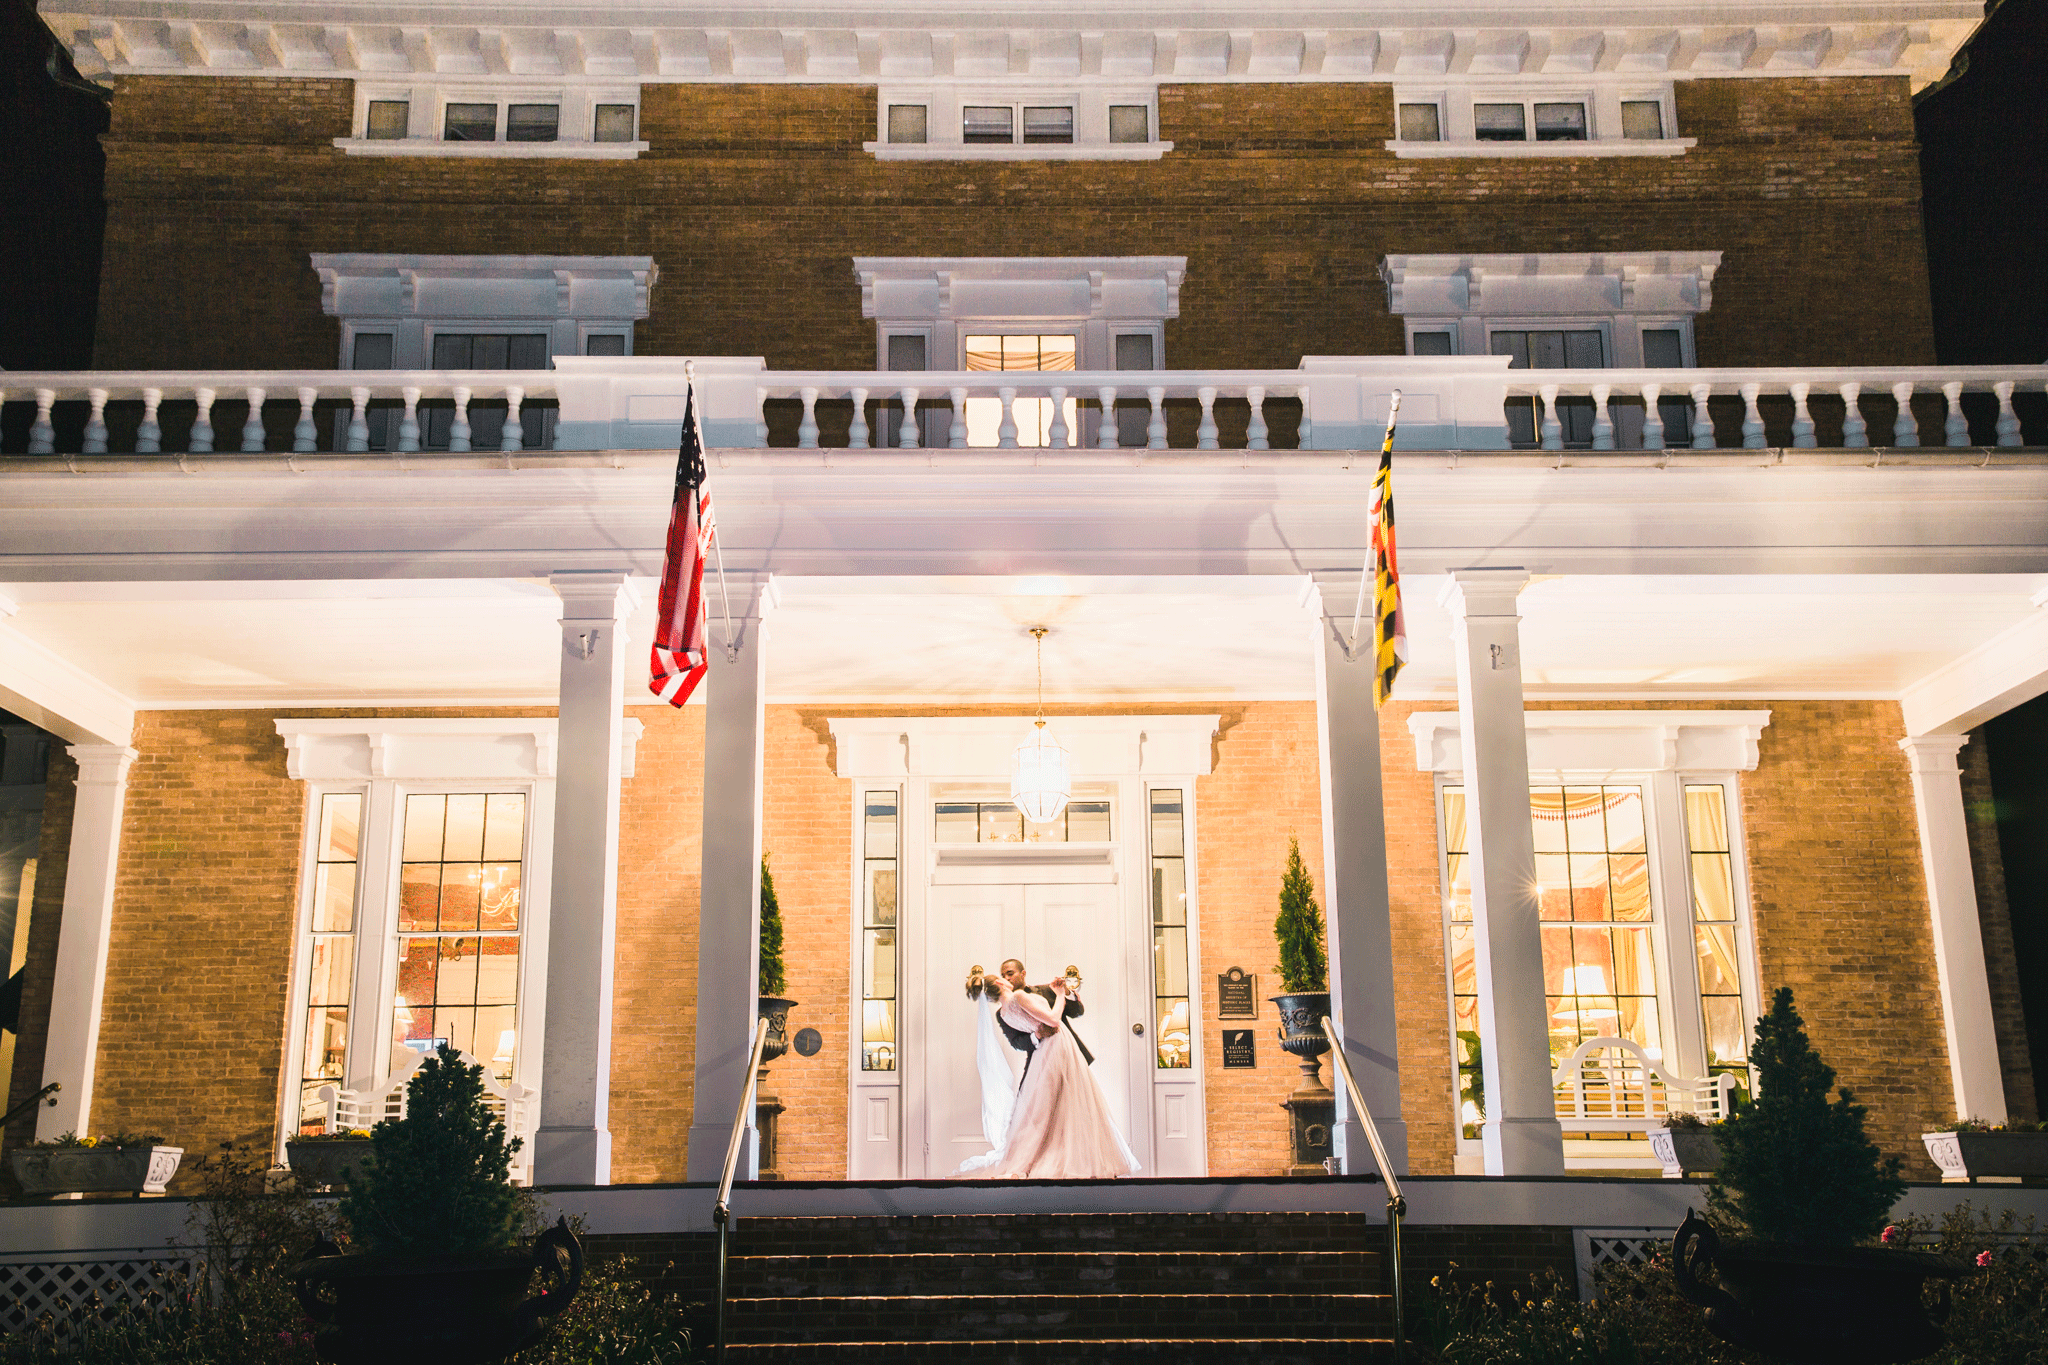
point(459, 925)
point(1171, 1009)
point(331, 962)
point(1000, 822)
point(879, 862)
point(1711, 864)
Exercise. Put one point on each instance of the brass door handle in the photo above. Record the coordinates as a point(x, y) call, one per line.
point(1138, 1029)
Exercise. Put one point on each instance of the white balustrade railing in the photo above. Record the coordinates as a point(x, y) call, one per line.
point(1329, 403)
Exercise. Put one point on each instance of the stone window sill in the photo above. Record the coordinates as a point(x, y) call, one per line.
point(1063, 151)
point(1669, 146)
point(419, 146)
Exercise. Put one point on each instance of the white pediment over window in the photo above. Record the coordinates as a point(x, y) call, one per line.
point(980, 746)
point(1021, 288)
point(430, 749)
point(1555, 284)
point(1586, 745)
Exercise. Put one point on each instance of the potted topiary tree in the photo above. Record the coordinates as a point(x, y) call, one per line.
point(1802, 1190)
point(775, 1009)
point(438, 1279)
point(1305, 978)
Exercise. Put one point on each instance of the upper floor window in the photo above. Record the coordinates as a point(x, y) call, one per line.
point(1551, 120)
point(472, 120)
point(999, 124)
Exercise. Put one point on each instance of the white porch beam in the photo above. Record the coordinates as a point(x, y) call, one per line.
point(80, 984)
point(2006, 670)
point(573, 1145)
point(1520, 1134)
point(1958, 938)
point(43, 687)
point(1355, 893)
point(729, 906)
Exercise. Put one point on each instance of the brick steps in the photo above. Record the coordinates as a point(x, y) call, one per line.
point(1046, 1288)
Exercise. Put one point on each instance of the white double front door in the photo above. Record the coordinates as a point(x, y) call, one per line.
point(1049, 928)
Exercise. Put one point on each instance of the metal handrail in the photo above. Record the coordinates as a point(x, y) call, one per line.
point(1397, 1203)
point(721, 1211)
point(31, 1102)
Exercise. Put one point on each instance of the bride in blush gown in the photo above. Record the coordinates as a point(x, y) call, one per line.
point(1059, 1126)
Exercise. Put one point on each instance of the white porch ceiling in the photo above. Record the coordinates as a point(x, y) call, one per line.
point(939, 640)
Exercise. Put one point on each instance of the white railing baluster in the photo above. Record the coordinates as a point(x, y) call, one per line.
point(149, 435)
point(1802, 420)
point(95, 424)
point(1205, 431)
point(1855, 433)
point(760, 420)
point(409, 420)
point(42, 434)
point(1056, 434)
point(908, 437)
point(1155, 430)
point(1752, 418)
point(2008, 420)
point(1653, 418)
point(1255, 434)
point(1552, 430)
point(1956, 427)
point(200, 442)
point(1603, 421)
point(252, 425)
point(1905, 427)
point(857, 430)
point(1006, 434)
point(1702, 418)
point(956, 434)
point(305, 436)
point(515, 433)
point(1305, 434)
point(458, 429)
point(807, 429)
point(359, 418)
point(1105, 432)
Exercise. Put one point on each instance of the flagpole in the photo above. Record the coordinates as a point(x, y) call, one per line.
point(1365, 574)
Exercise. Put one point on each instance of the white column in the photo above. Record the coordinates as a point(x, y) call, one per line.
point(1958, 940)
point(729, 908)
point(81, 981)
point(573, 1145)
point(1520, 1134)
point(1355, 902)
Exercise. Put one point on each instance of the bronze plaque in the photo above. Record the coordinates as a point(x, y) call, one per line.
point(1238, 1049)
point(1237, 995)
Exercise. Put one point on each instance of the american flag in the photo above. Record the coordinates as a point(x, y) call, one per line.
point(680, 658)
point(1389, 630)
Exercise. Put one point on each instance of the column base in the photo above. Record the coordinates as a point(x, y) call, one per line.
point(1354, 1151)
point(1523, 1146)
point(572, 1156)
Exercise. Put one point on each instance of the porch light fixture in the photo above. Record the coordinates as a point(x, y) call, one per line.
point(1040, 780)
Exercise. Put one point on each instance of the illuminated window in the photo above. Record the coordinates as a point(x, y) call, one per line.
point(1171, 1013)
point(330, 962)
point(879, 858)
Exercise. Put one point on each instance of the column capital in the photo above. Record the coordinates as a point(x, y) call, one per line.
point(106, 764)
point(1483, 592)
point(1934, 755)
point(595, 594)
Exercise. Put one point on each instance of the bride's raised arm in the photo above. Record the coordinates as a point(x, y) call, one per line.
point(1028, 1003)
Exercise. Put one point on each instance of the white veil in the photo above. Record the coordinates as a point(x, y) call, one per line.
point(998, 1090)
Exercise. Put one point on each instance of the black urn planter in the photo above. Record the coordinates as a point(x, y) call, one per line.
point(1311, 1109)
point(1301, 1024)
point(768, 1108)
point(440, 1310)
point(776, 1011)
point(1814, 1305)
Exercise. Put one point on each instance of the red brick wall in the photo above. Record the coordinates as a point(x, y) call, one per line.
point(754, 199)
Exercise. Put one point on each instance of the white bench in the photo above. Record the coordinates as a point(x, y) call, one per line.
point(1610, 1085)
point(516, 1104)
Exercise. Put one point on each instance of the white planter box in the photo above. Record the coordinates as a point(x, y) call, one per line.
point(1964, 1157)
point(1679, 1150)
point(96, 1170)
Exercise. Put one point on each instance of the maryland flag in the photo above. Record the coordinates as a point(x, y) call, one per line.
point(1389, 630)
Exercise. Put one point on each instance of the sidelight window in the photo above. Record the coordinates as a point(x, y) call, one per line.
point(880, 858)
point(330, 964)
point(1171, 1012)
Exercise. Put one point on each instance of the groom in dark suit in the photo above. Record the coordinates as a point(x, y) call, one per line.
point(1027, 1043)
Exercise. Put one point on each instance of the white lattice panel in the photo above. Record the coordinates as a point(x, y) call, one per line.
point(60, 1288)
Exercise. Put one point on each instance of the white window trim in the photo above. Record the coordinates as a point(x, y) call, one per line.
point(945, 298)
point(944, 139)
point(415, 297)
point(1603, 100)
point(1661, 752)
point(384, 761)
point(427, 116)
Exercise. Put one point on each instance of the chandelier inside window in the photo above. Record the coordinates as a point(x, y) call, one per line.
point(1040, 779)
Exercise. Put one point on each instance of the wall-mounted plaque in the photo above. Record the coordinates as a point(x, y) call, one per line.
point(807, 1042)
point(1238, 1051)
point(1237, 994)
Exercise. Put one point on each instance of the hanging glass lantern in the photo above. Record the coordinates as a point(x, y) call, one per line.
point(1040, 780)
